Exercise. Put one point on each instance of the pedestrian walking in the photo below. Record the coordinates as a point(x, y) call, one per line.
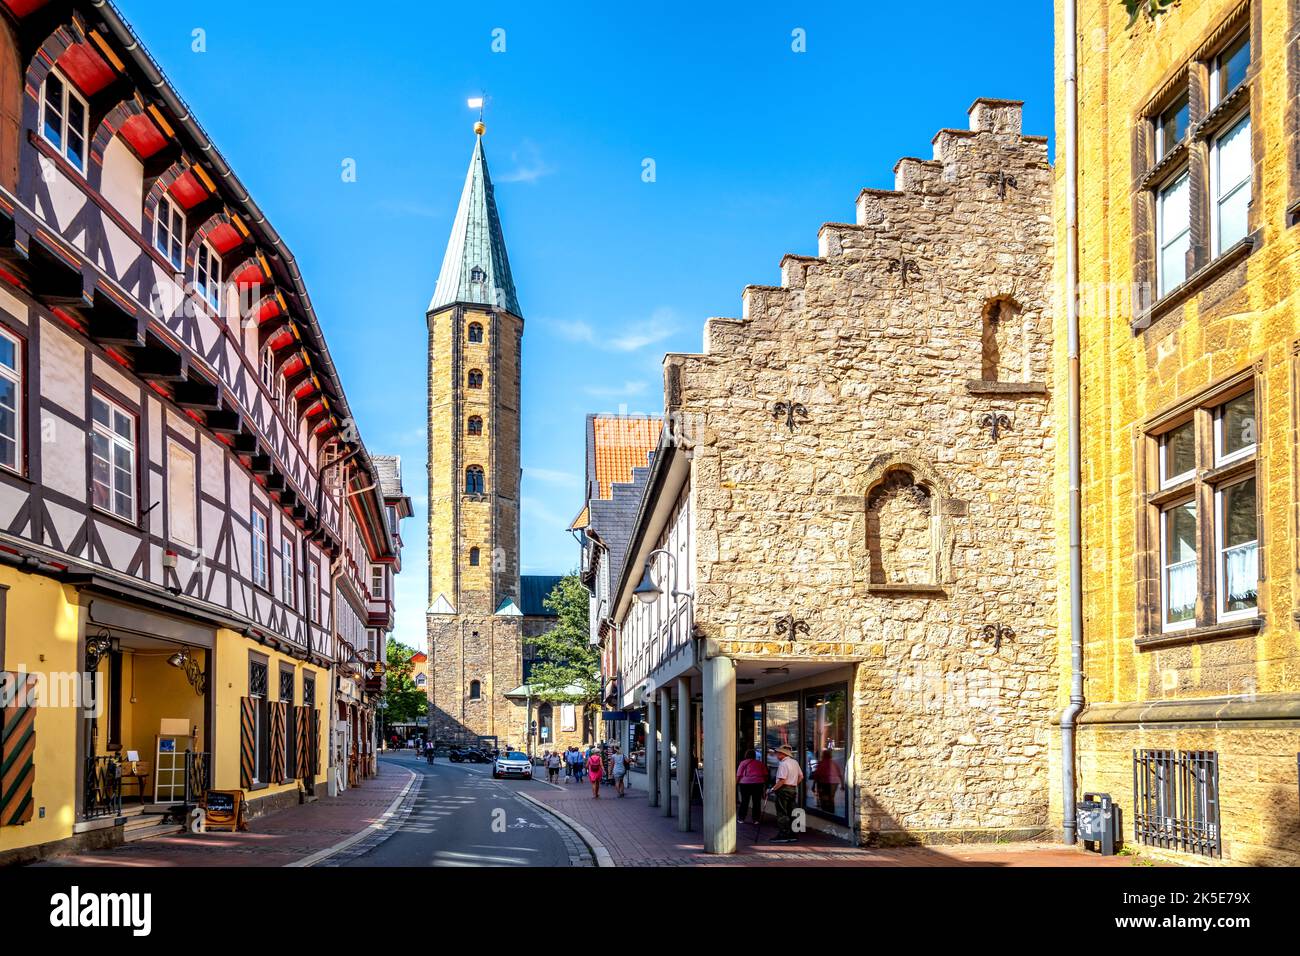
point(784, 791)
point(595, 770)
point(618, 769)
point(553, 767)
point(751, 778)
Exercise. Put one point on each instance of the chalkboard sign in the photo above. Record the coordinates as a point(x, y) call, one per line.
point(224, 810)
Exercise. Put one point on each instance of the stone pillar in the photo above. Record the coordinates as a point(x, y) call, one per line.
point(719, 755)
point(685, 777)
point(652, 751)
point(665, 752)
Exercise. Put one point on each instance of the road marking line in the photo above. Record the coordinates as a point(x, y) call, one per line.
point(360, 834)
point(598, 849)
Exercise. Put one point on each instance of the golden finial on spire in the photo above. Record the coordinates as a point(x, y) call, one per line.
point(477, 102)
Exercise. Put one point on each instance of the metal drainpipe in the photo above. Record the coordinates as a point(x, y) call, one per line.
point(1071, 713)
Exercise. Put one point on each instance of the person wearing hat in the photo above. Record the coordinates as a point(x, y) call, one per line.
point(784, 791)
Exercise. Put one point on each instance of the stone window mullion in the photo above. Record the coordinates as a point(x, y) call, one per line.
point(1198, 168)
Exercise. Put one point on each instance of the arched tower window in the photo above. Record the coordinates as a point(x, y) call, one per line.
point(475, 483)
point(473, 557)
point(475, 690)
point(475, 378)
point(475, 425)
point(1003, 357)
point(475, 332)
point(901, 529)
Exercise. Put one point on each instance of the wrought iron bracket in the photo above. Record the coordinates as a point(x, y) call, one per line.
point(996, 423)
point(790, 626)
point(904, 267)
point(997, 633)
point(794, 413)
point(1004, 182)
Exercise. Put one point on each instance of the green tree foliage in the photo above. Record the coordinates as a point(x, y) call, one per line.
point(568, 666)
point(405, 701)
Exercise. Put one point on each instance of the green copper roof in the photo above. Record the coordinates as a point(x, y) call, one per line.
point(475, 270)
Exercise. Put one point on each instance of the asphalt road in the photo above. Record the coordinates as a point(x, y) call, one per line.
point(463, 817)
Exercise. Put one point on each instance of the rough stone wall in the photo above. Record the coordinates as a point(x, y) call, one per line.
point(474, 644)
point(881, 339)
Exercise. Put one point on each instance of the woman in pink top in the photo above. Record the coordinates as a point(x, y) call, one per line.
point(594, 770)
point(751, 778)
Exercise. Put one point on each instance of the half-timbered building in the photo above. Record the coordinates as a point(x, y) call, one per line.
point(188, 516)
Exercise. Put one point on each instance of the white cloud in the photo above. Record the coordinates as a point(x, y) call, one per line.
point(626, 390)
point(529, 165)
point(553, 476)
point(629, 336)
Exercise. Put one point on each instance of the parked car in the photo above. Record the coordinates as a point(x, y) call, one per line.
point(467, 755)
point(512, 763)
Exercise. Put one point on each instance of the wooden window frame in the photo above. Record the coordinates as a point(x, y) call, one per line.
point(16, 375)
point(165, 235)
point(1212, 474)
point(288, 570)
point(264, 580)
point(207, 281)
point(70, 92)
point(1155, 169)
point(114, 439)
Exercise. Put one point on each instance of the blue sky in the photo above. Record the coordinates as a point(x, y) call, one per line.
point(754, 147)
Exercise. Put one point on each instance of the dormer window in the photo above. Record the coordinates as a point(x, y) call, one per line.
point(207, 275)
point(169, 232)
point(64, 119)
point(477, 274)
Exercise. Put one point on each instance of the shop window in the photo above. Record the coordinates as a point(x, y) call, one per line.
point(826, 724)
point(900, 531)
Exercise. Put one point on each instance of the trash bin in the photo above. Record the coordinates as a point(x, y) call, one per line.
point(1097, 819)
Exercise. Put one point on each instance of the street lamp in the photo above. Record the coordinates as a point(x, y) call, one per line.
point(648, 591)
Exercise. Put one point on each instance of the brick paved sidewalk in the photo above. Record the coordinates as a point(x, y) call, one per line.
point(276, 839)
point(635, 834)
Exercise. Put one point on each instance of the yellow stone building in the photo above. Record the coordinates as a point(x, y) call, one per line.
point(1188, 195)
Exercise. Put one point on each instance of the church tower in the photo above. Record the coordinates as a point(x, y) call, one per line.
point(475, 624)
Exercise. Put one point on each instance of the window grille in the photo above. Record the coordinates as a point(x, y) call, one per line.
point(1176, 800)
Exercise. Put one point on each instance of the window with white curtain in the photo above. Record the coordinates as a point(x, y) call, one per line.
point(1219, 467)
point(1179, 560)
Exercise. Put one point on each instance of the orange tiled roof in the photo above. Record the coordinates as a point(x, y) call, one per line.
point(622, 443)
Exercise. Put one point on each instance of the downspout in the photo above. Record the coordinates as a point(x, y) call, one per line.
point(1071, 713)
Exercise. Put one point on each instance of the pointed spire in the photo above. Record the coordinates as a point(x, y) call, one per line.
point(475, 270)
